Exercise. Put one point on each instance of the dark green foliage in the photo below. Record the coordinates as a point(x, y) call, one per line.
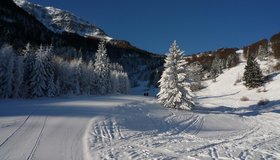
point(253, 75)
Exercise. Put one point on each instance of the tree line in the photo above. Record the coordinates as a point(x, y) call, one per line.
point(37, 72)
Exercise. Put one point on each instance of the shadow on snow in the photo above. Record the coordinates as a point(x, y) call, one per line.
point(252, 110)
point(220, 96)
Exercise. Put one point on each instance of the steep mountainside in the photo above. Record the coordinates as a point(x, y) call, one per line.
point(60, 21)
point(17, 27)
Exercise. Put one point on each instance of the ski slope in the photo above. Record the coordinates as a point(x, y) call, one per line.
point(137, 127)
point(45, 129)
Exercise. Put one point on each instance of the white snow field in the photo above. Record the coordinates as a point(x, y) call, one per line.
point(137, 127)
point(49, 129)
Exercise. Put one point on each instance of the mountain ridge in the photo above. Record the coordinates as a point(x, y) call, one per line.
point(59, 20)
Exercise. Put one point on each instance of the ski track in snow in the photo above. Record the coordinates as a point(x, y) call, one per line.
point(12, 134)
point(131, 127)
point(46, 129)
point(171, 134)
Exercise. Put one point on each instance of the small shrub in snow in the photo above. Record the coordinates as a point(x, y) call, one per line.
point(196, 87)
point(263, 102)
point(238, 79)
point(244, 98)
point(263, 89)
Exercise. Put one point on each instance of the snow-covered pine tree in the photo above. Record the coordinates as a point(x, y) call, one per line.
point(57, 87)
point(123, 83)
point(77, 73)
point(252, 75)
point(49, 67)
point(51, 87)
point(101, 67)
point(127, 83)
point(7, 59)
point(85, 79)
point(28, 62)
point(174, 91)
point(63, 83)
point(195, 75)
point(116, 67)
point(114, 77)
point(18, 77)
point(92, 78)
point(38, 84)
point(119, 79)
point(216, 68)
point(262, 52)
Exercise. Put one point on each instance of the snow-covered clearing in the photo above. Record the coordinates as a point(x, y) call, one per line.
point(136, 127)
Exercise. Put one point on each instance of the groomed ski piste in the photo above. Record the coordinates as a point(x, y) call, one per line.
point(222, 126)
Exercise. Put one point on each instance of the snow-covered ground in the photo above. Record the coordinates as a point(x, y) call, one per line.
point(137, 127)
point(45, 129)
point(145, 130)
point(221, 127)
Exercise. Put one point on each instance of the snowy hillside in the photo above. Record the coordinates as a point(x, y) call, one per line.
point(226, 92)
point(222, 127)
point(60, 21)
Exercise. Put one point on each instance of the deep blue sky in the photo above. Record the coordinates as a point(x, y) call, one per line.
point(197, 25)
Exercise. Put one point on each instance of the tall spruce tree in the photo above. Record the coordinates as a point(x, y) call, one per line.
point(174, 91)
point(195, 75)
point(101, 67)
point(216, 68)
point(50, 71)
point(7, 60)
point(28, 63)
point(38, 83)
point(252, 75)
point(18, 77)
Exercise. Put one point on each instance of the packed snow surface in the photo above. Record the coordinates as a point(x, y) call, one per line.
point(137, 127)
point(47, 129)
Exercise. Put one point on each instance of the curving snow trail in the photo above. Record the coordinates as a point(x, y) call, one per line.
point(134, 127)
point(46, 129)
